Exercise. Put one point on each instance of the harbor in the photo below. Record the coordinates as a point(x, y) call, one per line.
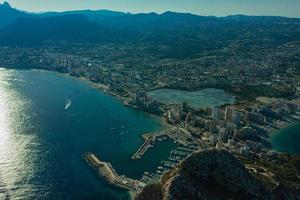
point(150, 140)
point(106, 170)
point(175, 157)
point(183, 149)
point(178, 135)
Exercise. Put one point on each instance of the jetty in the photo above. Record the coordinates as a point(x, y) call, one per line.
point(106, 171)
point(150, 140)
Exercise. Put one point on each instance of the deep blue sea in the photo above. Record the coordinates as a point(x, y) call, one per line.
point(47, 121)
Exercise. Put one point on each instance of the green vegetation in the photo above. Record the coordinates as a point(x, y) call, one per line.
point(249, 92)
point(285, 169)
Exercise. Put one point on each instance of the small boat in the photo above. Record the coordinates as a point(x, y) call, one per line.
point(68, 104)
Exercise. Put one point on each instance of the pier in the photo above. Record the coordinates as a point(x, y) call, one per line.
point(179, 135)
point(106, 170)
point(150, 139)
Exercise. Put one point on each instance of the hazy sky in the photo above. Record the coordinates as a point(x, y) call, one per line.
point(289, 8)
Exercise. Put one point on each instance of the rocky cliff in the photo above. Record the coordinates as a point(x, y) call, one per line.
point(212, 174)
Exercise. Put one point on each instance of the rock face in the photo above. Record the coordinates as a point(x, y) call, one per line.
point(210, 174)
point(213, 175)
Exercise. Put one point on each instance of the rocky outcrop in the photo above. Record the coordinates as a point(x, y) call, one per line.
point(210, 174)
point(151, 192)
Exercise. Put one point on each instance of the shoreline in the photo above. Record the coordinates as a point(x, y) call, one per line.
point(105, 89)
point(287, 133)
point(280, 124)
point(100, 87)
point(274, 131)
point(162, 121)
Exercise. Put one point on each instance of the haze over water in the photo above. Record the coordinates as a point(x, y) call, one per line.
point(47, 121)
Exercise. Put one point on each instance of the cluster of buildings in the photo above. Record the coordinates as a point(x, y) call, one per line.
point(127, 69)
point(239, 129)
point(242, 130)
point(175, 113)
point(142, 101)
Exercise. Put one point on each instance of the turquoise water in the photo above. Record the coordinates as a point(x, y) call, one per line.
point(197, 99)
point(287, 139)
point(47, 121)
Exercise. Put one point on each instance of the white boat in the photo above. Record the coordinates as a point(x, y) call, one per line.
point(68, 104)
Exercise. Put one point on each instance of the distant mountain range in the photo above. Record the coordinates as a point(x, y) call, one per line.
point(30, 29)
point(8, 15)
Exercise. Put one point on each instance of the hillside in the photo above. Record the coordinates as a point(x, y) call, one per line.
point(213, 174)
point(167, 35)
point(65, 28)
point(8, 15)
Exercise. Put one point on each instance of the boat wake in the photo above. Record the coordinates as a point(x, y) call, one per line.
point(68, 104)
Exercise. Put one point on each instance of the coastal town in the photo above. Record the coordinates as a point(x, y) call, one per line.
point(170, 104)
point(242, 128)
point(272, 72)
point(265, 100)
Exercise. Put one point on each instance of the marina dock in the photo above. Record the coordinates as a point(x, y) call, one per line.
point(150, 140)
point(106, 170)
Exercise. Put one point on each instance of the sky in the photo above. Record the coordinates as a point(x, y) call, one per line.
point(290, 8)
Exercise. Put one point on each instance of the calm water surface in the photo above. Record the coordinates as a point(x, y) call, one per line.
point(197, 99)
point(287, 139)
point(47, 121)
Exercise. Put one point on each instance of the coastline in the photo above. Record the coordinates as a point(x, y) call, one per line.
point(286, 140)
point(100, 87)
point(85, 84)
point(105, 89)
point(280, 125)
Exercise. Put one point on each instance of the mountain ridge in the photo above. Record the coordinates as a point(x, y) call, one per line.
point(176, 31)
point(10, 14)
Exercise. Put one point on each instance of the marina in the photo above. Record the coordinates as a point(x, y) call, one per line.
point(150, 140)
point(178, 135)
point(176, 155)
point(106, 170)
point(181, 151)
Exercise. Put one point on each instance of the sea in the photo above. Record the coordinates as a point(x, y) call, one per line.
point(287, 140)
point(48, 121)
